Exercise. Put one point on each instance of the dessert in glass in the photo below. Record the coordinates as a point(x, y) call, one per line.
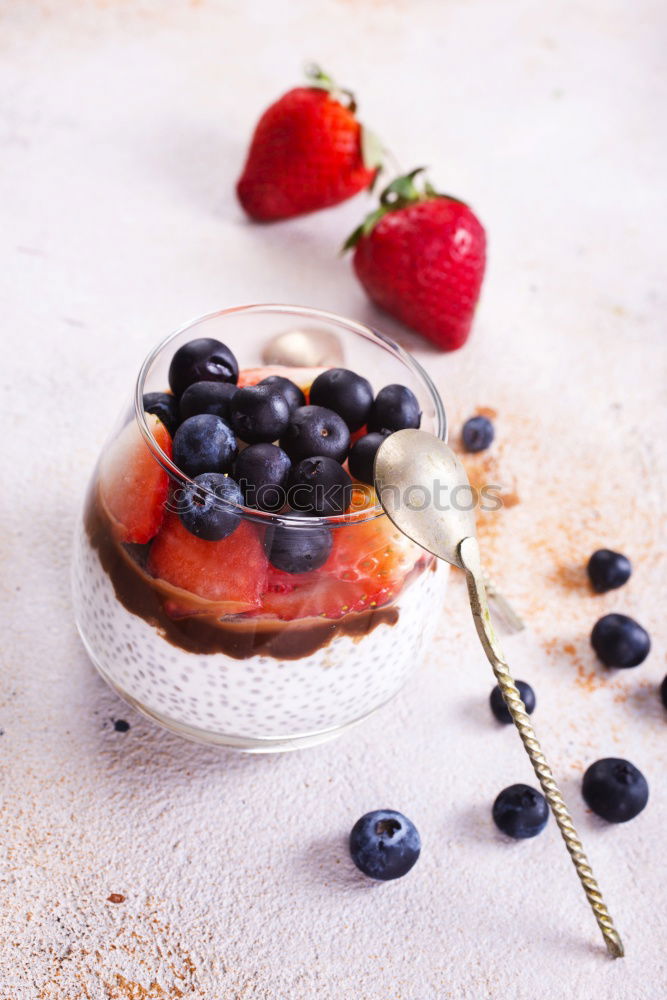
point(234, 577)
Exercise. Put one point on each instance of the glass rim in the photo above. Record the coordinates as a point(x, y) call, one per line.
point(309, 312)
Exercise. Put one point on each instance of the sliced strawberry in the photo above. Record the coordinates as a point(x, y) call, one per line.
point(366, 568)
point(133, 485)
point(373, 552)
point(355, 435)
point(306, 595)
point(230, 573)
point(363, 497)
point(303, 377)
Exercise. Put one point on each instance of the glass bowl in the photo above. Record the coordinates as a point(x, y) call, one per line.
point(207, 638)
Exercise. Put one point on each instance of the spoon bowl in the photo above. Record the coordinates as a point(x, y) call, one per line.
point(424, 490)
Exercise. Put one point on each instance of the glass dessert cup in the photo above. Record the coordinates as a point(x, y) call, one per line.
point(207, 638)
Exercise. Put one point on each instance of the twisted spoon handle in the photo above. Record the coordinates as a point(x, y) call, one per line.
point(470, 560)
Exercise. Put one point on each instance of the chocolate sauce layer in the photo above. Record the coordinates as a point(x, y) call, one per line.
point(240, 638)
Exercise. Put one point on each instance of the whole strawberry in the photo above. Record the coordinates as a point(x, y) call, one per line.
point(308, 152)
point(421, 256)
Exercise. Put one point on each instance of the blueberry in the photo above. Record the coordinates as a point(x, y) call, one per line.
point(620, 641)
point(207, 397)
point(295, 398)
point(261, 471)
point(384, 844)
point(346, 393)
point(320, 485)
point(520, 811)
point(204, 443)
point(395, 408)
point(297, 548)
point(477, 434)
point(206, 508)
point(663, 690)
point(199, 360)
point(362, 456)
point(315, 430)
point(165, 407)
point(608, 570)
point(500, 709)
point(259, 413)
point(615, 789)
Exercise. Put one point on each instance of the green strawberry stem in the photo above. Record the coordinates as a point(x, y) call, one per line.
point(372, 153)
point(318, 78)
point(400, 193)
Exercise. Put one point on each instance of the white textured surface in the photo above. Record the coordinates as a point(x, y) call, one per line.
point(122, 129)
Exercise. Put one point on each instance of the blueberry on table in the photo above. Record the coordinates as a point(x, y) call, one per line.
point(261, 471)
point(384, 844)
point(204, 359)
point(663, 690)
point(608, 570)
point(208, 507)
point(207, 397)
point(290, 390)
point(478, 434)
point(259, 413)
point(297, 547)
point(395, 408)
point(346, 393)
point(164, 407)
point(615, 789)
point(520, 812)
point(204, 443)
point(500, 709)
point(320, 485)
point(316, 430)
point(362, 456)
point(620, 641)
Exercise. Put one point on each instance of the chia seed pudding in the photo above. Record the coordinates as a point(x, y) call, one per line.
point(243, 622)
point(261, 697)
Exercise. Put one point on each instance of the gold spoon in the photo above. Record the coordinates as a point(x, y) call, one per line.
point(425, 491)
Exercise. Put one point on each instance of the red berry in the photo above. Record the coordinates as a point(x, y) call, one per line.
point(367, 567)
point(133, 485)
point(231, 573)
point(421, 257)
point(305, 154)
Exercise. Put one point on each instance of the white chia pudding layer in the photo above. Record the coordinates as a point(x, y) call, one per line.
point(259, 697)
